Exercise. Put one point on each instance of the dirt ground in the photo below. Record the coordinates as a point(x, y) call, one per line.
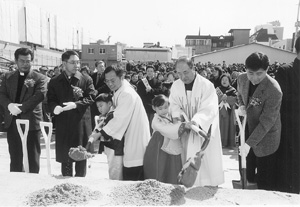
point(16, 187)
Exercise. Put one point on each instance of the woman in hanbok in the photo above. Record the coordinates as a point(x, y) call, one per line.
point(227, 103)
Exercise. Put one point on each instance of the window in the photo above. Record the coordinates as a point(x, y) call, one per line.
point(214, 44)
point(102, 51)
point(91, 50)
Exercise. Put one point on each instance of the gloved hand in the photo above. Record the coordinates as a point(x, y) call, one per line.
point(58, 110)
point(242, 111)
point(14, 108)
point(244, 149)
point(69, 106)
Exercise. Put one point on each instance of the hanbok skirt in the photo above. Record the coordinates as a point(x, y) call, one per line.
point(160, 165)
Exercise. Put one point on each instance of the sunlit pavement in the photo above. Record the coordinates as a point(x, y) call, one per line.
point(98, 164)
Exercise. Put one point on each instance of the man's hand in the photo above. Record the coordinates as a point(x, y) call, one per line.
point(69, 106)
point(14, 109)
point(244, 149)
point(58, 110)
point(242, 111)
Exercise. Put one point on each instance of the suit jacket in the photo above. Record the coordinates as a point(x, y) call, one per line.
point(31, 97)
point(263, 114)
point(156, 86)
point(101, 87)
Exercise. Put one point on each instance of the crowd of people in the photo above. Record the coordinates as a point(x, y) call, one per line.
point(149, 113)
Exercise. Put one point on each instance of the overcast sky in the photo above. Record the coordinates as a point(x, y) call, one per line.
point(134, 22)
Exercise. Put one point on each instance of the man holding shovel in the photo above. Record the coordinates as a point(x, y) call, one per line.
point(21, 95)
point(259, 96)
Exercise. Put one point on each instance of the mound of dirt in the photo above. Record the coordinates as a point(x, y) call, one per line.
point(19, 189)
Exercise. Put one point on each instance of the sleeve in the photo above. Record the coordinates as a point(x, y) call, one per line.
point(52, 96)
point(4, 100)
point(175, 107)
point(270, 113)
point(88, 96)
point(118, 125)
point(169, 130)
point(38, 96)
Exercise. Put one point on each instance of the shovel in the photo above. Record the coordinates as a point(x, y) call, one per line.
point(188, 174)
point(242, 184)
point(23, 136)
point(47, 138)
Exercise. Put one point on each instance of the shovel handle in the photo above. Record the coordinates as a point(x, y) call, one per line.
point(23, 136)
point(242, 126)
point(47, 138)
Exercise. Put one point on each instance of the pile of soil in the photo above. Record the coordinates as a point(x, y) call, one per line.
point(148, 193)
point(65, 193)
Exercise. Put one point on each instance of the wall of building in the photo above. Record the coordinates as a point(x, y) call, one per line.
point(42, 56)
point(148, 55)
point(239, 54)
point(23, 21)
point(178, 51)
point(240, 37)
point(112, 55)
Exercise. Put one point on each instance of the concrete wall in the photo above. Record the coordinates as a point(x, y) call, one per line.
point(239, 54)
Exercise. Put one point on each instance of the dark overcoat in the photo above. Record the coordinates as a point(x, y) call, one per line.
point(74, 126)
point(288, 173)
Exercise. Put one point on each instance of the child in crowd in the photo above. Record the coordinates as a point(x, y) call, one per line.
point(227, 103)
point(113, 148)
point(162, 160)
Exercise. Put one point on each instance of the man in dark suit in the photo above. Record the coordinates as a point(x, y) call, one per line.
point(70, 95)
point(21, 95)
point(288, 154)
point(259, 96)
point(100, 86)
point(147, 88)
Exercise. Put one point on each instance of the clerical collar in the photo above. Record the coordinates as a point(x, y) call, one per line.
point(189, 87)
point(23, 73)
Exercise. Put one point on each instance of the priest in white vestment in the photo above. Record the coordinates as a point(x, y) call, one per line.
point(196, 97)
point(130, 120)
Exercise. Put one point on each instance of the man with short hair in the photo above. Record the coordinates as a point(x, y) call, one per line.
point(130, 120)
point(288, 154)
point(69, 96)
point(43, 70)
point(259, 97)
point(147, 88)
point(21, 95)
point(196, 97)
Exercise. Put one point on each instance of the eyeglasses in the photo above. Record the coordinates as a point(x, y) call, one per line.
point(74, 62)
point(24, 61)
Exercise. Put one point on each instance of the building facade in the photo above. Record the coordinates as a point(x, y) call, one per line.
point(148, 54)
point(91, 53)
point(207, 43)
